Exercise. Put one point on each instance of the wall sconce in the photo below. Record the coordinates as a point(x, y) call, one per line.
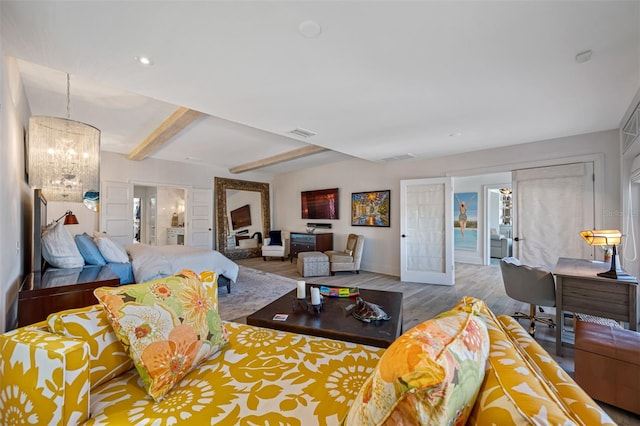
point(608, 237)
point(69, 218)
point(64, 156)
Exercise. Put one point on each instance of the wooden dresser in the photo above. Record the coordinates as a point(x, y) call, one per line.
point(54, 290)
point(302, 241)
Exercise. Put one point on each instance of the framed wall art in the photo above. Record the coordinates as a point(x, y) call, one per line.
point(465, 221)
point(371, 208)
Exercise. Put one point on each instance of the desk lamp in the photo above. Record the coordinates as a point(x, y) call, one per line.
point(607, 237)
point(69, 218)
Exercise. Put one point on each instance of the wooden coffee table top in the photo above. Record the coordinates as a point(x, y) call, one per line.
point(334, 322)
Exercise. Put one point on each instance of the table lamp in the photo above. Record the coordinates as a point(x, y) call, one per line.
point(607, 237)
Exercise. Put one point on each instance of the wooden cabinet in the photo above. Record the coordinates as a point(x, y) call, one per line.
point(54, 290)
point(301, 241)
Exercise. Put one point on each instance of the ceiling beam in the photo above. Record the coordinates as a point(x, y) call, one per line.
point(280, 158)
point(173, 125)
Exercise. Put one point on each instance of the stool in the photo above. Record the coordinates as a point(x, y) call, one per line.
point(313, 264)
point(607, 364)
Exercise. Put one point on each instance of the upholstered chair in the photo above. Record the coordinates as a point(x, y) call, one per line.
point(501, 246)
point(349, 258)
point(274, 245)
point(534, 286)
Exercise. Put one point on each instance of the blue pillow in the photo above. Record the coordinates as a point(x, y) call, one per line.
point(89, 250)
point(122, 270)
point(275, 238)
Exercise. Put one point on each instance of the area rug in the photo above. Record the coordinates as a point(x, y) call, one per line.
point(253, 290)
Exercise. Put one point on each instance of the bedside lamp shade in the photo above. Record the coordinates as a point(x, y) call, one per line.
point(69, 218)
point(604, 237)
point(607, 237)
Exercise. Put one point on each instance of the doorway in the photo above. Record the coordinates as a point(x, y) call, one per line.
point(498, 226)
point(159, 215)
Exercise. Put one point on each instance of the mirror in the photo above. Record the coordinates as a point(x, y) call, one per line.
point(235, 195)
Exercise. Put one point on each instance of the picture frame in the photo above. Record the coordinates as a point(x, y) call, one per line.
point(371, 208)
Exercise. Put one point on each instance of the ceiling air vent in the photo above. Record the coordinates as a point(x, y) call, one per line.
point(399, 157)
point(303, 133)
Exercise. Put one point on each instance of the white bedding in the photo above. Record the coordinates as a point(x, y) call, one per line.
point(151, 262)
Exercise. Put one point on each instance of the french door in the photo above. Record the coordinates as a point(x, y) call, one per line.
point(426, 228)
point(552, 205)
point(116, 211)
point(201, 218)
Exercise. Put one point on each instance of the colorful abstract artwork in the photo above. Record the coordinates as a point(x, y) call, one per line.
point(370, 208)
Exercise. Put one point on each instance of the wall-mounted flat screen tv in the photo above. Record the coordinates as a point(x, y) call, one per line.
point(241, 217)
point(320, 204)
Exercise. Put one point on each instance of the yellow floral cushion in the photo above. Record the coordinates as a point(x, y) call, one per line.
point(168, 326)
point(107, 355)
point(429, 375)
point(44, 378)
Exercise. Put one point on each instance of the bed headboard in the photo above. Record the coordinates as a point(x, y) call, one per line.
point(39, 223)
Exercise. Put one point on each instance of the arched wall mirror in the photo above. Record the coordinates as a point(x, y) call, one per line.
point(243, 217)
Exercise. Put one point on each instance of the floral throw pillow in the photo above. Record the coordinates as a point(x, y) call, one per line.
point(168, 326)
point(429, 375)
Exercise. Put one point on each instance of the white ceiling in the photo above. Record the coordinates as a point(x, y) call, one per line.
point(383, 79)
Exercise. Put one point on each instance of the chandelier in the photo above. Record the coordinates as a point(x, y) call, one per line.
point(64, 156)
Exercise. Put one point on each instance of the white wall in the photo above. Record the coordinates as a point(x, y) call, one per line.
point(382, 245)
point(87, 219)
point(16, 196)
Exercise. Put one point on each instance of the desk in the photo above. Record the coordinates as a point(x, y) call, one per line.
point(580, 289)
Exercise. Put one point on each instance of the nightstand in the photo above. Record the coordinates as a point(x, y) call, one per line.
point(53, 290)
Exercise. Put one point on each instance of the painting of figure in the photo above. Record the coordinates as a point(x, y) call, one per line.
point(465, 221)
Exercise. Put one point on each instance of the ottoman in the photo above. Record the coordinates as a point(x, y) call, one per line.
point(607, 364)
point(313, 264)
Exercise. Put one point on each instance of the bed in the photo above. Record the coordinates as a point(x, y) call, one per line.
point(152, 262)
point(135, 263)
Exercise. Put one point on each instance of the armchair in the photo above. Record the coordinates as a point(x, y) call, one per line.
point(348, 259)
point(501, 246)
point(274, 246)
point(529, 285)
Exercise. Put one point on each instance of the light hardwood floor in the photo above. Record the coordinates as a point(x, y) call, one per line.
point(420, 301)
point(424, 301)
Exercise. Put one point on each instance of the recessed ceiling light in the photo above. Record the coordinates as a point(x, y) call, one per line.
point(310, 29)
point(144, 60)
point(583, 57)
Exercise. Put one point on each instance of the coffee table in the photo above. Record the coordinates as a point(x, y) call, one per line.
point(334, 322)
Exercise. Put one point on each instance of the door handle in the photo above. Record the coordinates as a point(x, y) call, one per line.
point(403, 236)
point(518, 239)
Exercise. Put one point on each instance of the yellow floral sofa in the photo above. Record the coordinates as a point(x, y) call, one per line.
point(72, 369)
